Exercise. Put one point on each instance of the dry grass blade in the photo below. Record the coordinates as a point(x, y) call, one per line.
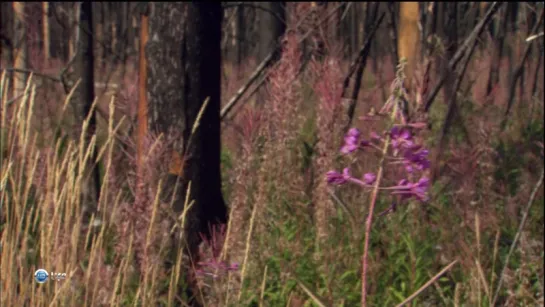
point(427, 284)
point(317, 300)
point(517, 236)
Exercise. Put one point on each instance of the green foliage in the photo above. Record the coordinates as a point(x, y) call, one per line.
point(226, 161)
point(532, 133)
point(508, 170)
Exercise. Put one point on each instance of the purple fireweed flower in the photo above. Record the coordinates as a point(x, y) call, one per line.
point(369, 178)
point(401, 138)
point(355, 132)
point(336, 178)
point(416, 158)
point(351, 141)
point(418, 189)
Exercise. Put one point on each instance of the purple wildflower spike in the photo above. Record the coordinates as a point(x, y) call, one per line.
point(351, 141)
point(416, 159)
point(401, 138)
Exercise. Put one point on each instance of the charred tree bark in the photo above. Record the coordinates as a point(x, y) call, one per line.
point(449, 35)
point(84, 97)
point(371, 12)
point(392, 25)
point(354, 28)
point(241, 37)
point(494, 73)
point(6, 39)
point(106, 33)
point(184, 70)
point(272, 26)
point(58, 32)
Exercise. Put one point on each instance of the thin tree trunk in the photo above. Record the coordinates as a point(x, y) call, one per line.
point(21, 47)
point(240, 37)
point(408, 40)
point(494, 73)
point(392, 12)
point(450, 38)
point(536, 74)
point(142, 95)
point(354, 29)
point(74, 29)
point(6, 42)
point(184, 71)
point(84, 96)
point(106, 44)
point(114, 30)
point(46, 32)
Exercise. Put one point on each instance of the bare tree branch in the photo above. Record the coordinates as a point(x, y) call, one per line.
point(461, 51)
point(517, 75)
point(361, 61)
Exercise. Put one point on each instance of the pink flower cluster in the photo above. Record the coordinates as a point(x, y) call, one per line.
point(403, 150)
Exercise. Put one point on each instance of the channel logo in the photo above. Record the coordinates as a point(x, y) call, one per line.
point(41, 276)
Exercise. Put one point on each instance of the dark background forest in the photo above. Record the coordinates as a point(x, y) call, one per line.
point(272, 153)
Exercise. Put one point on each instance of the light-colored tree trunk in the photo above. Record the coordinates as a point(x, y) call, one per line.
point(46, 31)
point(408, 38)
point(21, 47)
point(74, 15)
point(142, 129)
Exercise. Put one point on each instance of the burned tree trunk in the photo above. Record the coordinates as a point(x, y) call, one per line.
point(494, 73)
point(272, 26)
point(6, 39)
point(240, 36)
point(184, 71)
point(84, 97)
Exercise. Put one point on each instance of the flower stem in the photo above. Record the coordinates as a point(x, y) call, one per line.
point(369, 220)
